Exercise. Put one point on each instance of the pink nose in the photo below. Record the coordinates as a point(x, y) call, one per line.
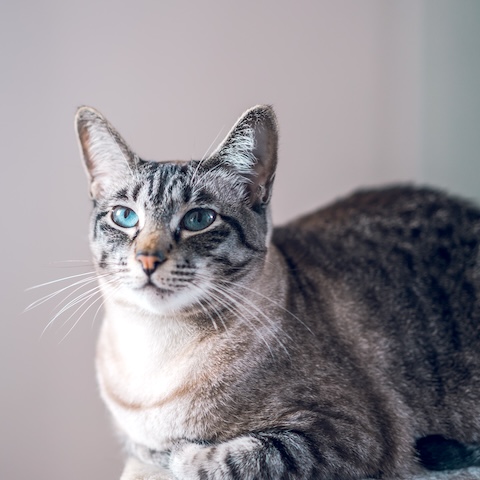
point(150, 261)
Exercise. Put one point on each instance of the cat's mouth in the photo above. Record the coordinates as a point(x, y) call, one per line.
point(160, 299)
point(152, 287)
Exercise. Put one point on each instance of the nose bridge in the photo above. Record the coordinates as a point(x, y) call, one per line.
point(152, 241)
point(147, 242)
point(152, 248)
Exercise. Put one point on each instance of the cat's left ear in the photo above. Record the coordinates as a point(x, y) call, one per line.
point(251, 149)
point(107, 157)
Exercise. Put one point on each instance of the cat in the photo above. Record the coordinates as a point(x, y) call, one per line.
point(343, 345)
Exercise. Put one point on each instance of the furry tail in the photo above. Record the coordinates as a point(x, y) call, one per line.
point(439, 453)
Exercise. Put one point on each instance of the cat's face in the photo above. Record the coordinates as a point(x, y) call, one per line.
point(175, 235)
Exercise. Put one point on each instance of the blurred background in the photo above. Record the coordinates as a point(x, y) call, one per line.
point(370, 92)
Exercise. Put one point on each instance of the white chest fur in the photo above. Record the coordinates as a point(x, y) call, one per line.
point(146, 368)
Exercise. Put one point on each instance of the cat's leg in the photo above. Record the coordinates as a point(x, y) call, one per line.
point(260, 456)
point(137, 470)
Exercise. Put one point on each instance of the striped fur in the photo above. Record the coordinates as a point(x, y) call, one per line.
point(325, 349)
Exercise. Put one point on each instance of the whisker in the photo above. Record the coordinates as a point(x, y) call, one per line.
point(100, 297)
point(105, 298)
point(193, 177)
point(213, 142)
point(270, 323)
point(59, 280)
point(85, 295)
point(234, 307)
point(71, 261)
point(79, 288)
point(44, 299)
point(211, 305)
point(78, 299)
point(79, 318)
point(273, 302)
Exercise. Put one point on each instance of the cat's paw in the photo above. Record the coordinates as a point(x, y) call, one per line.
point(193, 461)
point(137, 470)
point(184, 458)
point(149, 456)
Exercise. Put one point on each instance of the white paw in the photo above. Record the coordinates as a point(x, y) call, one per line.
point(190, 461)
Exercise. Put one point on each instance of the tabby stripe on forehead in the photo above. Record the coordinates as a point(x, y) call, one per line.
point(236, 225)
point(168, 190)
point(187, 193)
point(136, 191)
point(204, 197)
point(151, 180)
point(121, 194)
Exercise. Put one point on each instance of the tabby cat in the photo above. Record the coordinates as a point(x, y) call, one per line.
point(343, 345)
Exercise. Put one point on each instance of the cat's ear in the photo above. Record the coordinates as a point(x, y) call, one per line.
point(251, 149)
point(107, 157)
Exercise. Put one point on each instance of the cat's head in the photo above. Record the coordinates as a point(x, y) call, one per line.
point(168, 236)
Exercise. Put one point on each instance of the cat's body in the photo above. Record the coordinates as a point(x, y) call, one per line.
point(324, 349)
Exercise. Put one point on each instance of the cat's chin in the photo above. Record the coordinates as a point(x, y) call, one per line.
point(159, 301)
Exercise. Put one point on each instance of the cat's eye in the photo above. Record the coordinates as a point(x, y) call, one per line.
point(124, 217)
point(198, 219)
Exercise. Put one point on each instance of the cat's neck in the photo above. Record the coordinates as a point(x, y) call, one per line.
point(157, 354)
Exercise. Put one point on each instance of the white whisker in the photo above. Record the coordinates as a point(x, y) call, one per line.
point(78, 299)
point(87, 294)
point(236, 307)
point(55, 262)
point(83, 313)
point(212, 305)
point(106, 296)
point(100, 297)
point(273, 302)
point(192, 179)
point(213, 142)
point(44, 299)
point(59, 280)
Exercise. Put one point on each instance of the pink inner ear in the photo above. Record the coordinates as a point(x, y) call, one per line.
point(107, 157)
point(251, 149)
point(265, 152)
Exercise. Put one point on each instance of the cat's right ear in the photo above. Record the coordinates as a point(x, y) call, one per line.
point(107, 157)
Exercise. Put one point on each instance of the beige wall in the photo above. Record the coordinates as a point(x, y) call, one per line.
point(361, 97)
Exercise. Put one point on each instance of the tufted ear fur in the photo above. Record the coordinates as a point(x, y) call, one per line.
point(107, 157)
point(250, 148)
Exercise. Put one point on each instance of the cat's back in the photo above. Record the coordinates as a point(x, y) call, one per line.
point(399, 224)
point(401, 264)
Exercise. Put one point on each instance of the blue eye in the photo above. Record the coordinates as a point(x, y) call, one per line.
point(198, 219)
point(124, 217)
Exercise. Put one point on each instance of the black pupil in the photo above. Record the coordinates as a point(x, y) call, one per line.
point(126, 213)
point(198, 217)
